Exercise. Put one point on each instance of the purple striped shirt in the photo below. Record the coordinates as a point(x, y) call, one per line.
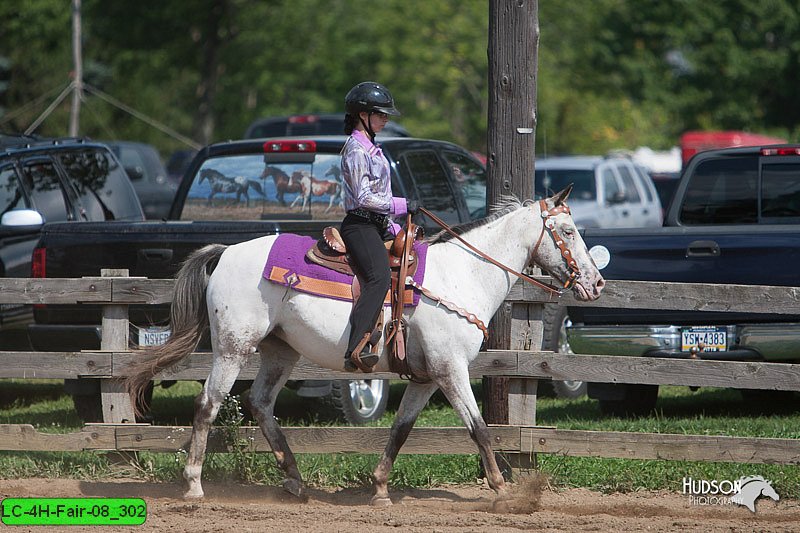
point(367, 179)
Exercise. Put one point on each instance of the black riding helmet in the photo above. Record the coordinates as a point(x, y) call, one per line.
point(370, 97)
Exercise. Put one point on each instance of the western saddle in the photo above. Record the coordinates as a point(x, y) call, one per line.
point(330, 251)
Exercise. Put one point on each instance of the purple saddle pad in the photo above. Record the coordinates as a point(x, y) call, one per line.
point(288, 265)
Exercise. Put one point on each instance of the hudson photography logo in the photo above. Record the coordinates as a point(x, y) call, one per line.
point(743, 491)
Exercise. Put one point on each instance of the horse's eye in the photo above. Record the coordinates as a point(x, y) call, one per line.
point(569, 232)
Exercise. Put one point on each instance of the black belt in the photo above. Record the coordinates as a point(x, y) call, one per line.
point(377, 218)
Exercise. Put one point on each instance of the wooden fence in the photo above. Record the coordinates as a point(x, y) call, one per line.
point(524, 366)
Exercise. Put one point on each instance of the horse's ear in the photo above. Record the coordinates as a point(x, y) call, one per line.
point(561, 197)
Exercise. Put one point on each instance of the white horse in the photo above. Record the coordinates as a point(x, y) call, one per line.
point(248, 314)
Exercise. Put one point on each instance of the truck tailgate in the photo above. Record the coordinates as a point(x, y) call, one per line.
point(743, 255)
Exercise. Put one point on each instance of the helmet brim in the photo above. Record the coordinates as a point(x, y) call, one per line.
point(388, 110)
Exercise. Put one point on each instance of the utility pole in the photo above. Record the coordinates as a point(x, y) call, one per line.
point(77, 83)
point(513, 64)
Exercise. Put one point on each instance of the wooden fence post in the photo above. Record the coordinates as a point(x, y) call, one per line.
point(513, 70)
point(117, 407)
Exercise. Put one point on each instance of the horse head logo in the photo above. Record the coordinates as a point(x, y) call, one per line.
point(751, 488)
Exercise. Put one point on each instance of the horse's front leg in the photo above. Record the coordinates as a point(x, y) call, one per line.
point(457, 389)
point(414, 399)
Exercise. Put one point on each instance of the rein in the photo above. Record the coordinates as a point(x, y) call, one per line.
point(546, 215)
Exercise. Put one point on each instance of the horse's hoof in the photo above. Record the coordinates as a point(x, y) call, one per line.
point(380, 501)
point(293, 487)
point(502, 506)
point(193, 495)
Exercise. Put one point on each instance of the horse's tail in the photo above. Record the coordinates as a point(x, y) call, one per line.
point(188, 322)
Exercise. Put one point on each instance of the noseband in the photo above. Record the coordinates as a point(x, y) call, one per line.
point(549, 224)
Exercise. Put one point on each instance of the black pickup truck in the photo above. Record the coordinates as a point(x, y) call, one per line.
point(734, 219)
point(235, 191)
point(51, 179)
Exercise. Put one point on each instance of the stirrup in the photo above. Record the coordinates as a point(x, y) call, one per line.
point(367, 360)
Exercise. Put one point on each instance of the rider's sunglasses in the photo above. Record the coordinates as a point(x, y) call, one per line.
point(382, 116)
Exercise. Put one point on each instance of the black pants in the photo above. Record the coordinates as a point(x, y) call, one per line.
point(364, 241)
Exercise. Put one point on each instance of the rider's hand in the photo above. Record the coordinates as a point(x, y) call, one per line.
point(412, 206)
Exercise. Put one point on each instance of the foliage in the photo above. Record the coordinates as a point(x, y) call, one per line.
point(612, 73)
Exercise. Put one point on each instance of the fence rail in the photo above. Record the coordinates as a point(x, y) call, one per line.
point(525, 367)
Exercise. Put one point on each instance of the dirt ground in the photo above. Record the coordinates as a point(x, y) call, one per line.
point(246, 508)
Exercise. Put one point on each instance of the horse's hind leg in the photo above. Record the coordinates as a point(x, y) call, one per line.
point(277, 360)
point(224, 371)
point(414, 399)
point(457, 389)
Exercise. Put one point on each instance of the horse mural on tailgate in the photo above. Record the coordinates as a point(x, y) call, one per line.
point(283, 183)
point(222, 184)
point(311, 186)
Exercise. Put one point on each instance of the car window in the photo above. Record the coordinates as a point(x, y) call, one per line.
point(722, 191)
point(610, 186)
point(431, 183)
point(249, 187)
point(780, 190)
point(11, 195)
point(103, 188)
point(47, 194)
point(550, 181)
point(631, 191)
point(646, 183)
point(470, 178)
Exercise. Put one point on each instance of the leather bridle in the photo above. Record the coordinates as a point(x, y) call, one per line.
point(549, 224)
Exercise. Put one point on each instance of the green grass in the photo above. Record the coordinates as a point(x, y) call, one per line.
point(679, 410)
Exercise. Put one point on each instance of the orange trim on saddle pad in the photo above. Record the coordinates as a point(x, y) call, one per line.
point(325, 288)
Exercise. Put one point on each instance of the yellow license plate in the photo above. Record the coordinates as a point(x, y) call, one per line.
point(704, 338)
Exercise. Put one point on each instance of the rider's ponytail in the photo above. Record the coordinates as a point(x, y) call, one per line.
point(349, 123)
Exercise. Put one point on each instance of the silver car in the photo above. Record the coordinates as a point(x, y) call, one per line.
point(609, 192)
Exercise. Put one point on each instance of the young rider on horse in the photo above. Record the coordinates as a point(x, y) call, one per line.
point(369, 204)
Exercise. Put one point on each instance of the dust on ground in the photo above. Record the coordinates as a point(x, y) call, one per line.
point(531, 505)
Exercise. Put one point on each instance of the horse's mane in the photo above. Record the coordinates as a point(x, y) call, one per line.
point(505, 205)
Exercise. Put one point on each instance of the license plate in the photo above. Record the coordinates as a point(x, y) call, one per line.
point(704, 338)
point(153, 336)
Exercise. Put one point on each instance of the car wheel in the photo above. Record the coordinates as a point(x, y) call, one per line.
point(554, 338)
point(359, 401)
point(636, 400)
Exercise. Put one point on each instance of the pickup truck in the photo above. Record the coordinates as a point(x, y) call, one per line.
point(235, 191)
point(734, 219)
point(51, 179)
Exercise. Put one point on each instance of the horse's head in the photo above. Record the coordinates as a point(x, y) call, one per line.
point(334, 171)
point(561, 252)
point(204, 175)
